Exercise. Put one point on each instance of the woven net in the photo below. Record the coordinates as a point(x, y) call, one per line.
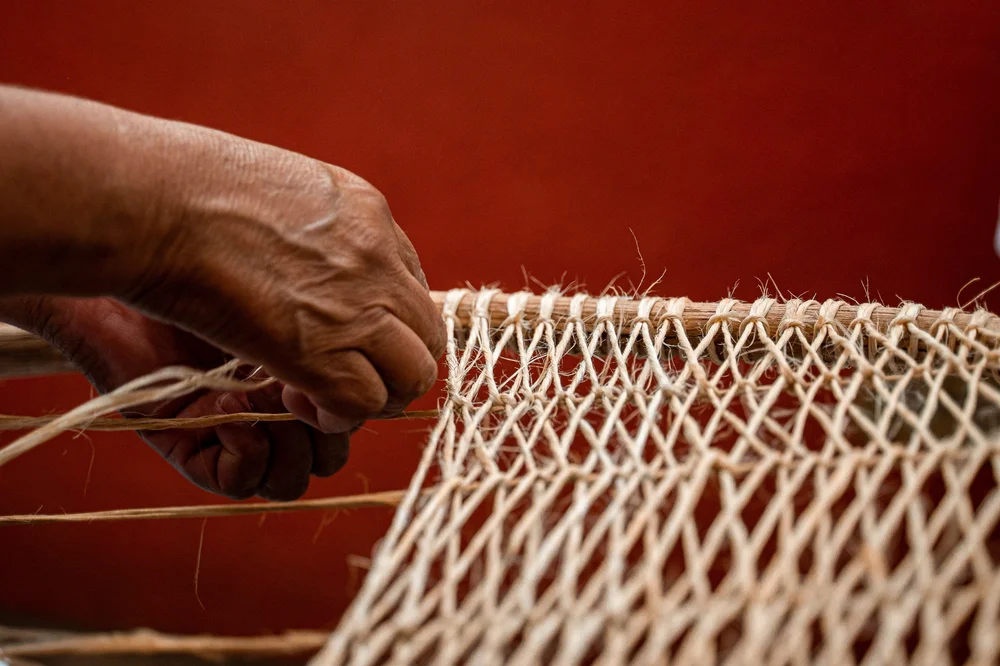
point(613, 480)
point(641, 481)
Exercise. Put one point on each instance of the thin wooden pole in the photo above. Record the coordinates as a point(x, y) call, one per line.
point(22, 354)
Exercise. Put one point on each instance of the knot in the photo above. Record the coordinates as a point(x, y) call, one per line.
point(864, 315)
point(828, 314)
point(945, 319)
point(907, 315)
point(461, 401)
point(753, 320)
point(547, 306)
point(481, 310)
point(723, 313)
point(645, 309)
point(674, 312)
point(977, 321)
point(451, 302)
point(576, 307)
point(795, 311)
point(758, 315)
point(605, 310)
point(516, 306)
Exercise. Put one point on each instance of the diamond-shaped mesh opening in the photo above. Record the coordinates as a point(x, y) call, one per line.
point(606, 489)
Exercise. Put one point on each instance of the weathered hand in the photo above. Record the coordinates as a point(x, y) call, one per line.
point(113, 344)
point(225, 246)
point(300, 267)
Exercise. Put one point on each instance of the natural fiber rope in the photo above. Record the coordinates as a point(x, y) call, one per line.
point(164, 384)
point(648, 480)
point(601, 516)
point(13, 422)
point(390, 498)
point(552, 309)
point(149, 643)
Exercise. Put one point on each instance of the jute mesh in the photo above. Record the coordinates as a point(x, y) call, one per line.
point(614, 480)
point(786, 485)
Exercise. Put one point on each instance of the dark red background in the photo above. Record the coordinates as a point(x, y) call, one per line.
point(822, 145)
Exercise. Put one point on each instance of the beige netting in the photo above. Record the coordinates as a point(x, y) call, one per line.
point(613, 481)
point(631, 481)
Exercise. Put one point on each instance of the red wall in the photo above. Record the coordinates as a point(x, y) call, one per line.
point(820, 145)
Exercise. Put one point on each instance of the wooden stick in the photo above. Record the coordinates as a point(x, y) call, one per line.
point(22, 354)
point(697, 316)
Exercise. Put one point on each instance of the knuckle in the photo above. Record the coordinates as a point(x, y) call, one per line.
point(362, 399)
point(379, 203)
point(362, 193)
point(344, 179)
point(310, 374)
point(368, 239)
point(369, 246)
point(374, 200)
point(381, 317)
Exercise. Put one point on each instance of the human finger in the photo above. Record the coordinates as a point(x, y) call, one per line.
point(403, 362)
point(350, 392)
point(291, 450)
point(229, 459)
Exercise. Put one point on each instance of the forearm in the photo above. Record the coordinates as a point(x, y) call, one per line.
point(92, 196)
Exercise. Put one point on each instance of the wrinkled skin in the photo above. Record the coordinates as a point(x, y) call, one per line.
point(242, 249)
point(112, 344)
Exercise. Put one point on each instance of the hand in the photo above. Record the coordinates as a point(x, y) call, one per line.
point(113, 344)
point(226, 246)
point(297, 266)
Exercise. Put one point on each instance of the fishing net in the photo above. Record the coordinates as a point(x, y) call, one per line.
point(616, 480)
